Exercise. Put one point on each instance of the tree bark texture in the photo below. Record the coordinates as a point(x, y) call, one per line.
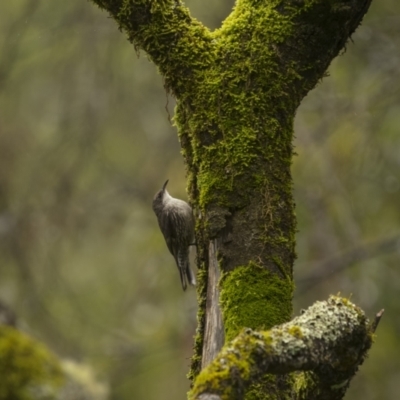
point(213, 330)
point(237, 91)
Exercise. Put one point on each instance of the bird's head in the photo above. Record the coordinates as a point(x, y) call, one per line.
point(159, 197)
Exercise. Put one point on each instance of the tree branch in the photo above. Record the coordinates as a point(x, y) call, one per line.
point(320, 30)
point(330, 340)
point(324, 269)
point(178, 44)
point(376, 320)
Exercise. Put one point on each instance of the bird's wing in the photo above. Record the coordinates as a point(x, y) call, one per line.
point(169, 230)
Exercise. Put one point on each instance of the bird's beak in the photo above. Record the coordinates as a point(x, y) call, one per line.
point(165, 184)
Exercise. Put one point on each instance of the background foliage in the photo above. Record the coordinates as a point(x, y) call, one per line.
point(85, 142)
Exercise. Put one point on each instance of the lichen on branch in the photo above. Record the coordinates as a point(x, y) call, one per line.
point(330, 339)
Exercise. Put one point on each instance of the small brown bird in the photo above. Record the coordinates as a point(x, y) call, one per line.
point(176, 221)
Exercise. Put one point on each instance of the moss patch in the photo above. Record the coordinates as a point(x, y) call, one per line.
point(296, 332)
point(27, 369)
point(271, 387)
point(253, 297)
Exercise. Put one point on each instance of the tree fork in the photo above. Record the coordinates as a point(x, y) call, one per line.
point(237, 90)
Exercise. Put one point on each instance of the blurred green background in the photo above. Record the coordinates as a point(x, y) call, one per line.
point(85, 142)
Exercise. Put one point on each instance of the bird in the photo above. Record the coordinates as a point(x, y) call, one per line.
point(176, 222)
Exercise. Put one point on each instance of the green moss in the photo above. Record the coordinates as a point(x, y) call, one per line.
point(271, 387)
point(234, 373)
point(304, 383)
point(227, 380)
point(253, 297)
point(27, 369)
point(231, 129)
point(296, 332)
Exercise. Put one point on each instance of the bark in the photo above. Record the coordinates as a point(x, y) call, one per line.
point(213, 331)
point(237, 92)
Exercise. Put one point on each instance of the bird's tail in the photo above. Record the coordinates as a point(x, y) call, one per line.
point(185, 272)
point(183, 278)
point(190, 275)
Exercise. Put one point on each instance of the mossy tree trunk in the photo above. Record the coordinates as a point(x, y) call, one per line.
point(237, 91)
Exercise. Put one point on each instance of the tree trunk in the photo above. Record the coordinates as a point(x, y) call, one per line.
point(237, 92)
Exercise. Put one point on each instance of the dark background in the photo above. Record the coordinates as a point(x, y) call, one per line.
point(85, 142)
